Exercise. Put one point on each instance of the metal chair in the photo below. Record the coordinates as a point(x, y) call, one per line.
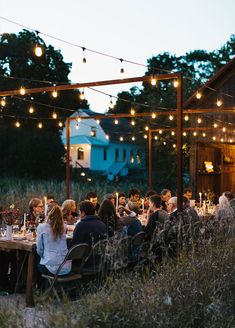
point(77, 252)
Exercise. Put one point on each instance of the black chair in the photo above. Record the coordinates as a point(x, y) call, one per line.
point(77, 252)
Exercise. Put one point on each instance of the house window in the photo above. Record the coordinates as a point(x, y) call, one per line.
point(124, 155)
point(116, 154)
point(80, 154)
point(105, 154)
point(132, 157)
point(138, 157)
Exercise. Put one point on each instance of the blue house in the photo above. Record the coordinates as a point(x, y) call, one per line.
point(102, 146)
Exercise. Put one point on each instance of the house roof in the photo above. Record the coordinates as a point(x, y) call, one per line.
point(80, 140)
point(218, 79)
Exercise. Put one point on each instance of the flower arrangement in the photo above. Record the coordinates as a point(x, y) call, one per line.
point(10, 216)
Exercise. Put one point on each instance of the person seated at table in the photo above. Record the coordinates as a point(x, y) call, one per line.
point(121, 204)
point(146, 198)
point(69, 211)
point(92, 197)
point(224, 210)
point(51, 243)
point(35, 214)
point(165, 195)
point(111, 197)
point(156, 216)
point(134, 200)
point(188, 193)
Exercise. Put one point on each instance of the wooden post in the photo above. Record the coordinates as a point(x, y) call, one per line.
point(150, 158)
point(179, 143)
point(68, 158)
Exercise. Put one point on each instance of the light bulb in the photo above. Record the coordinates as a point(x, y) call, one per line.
point(38, 50)
point(77, 126)
point(171, 117)
point(174, 145)
point(145, 136)
point(132, 111)
point(78, 119)
point(92, 133)
point(214, 138)
point(160, 131)
point(184, 134)
point(107, 136)
point(31, 110)
point(3, 102)
point(22, 91)
point(133, 122)
point(153, 81)
point(154, 115)
point(194, 134)
point(204, 134)
point(164, 143)
point(133, 138)
point(199, 120)
point(17, 124)
point(186, 118)
point(156, 137)
point(222, 140)
point(116, 122)
point(198, 95)
point(230, 140)
point(60, 124)
point(215, 125)
point(111, 106)
point(82, 95)
point(175, 83)
point(121, 138)
point(40, 125)
point(219, 103)
point(172, 133)
point(146, 128)
point(83, 174)
point(223, 129)
point(54, 115)
point(98, 121)
point(54, 94)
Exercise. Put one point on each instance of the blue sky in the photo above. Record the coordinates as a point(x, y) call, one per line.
point(131, 29)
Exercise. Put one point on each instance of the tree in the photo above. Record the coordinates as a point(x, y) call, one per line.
point(29, 150)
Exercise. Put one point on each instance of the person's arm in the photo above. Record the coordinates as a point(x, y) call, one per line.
point(77, 235)
point(39, 241)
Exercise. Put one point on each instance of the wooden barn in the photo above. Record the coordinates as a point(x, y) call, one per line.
point(212, 153)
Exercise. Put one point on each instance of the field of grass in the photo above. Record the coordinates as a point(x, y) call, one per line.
point(19, 191)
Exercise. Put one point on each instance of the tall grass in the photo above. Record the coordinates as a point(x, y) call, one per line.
point(19, 191)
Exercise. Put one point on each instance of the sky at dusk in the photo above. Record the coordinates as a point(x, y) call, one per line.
point(134, 30)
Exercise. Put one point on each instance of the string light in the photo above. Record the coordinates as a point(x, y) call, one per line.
point(145, 136)
point(60, 124)
point(164, 143)
point(224, 129)
point(146, 128)
point(31, 110)
point(84, 58)
point(214, 138)
point(174, 145)
point(83, 174)
point(133, 138)
point(38, 50)
point(184, 134)
point(230, 140)
point(222, 140)
point(89, 179)
point(3, 102)
point(156, 137)
point(153, 81)
point(172, 133)
point(160, 131)
point(175, 83)
point(204, 134)
point(98, 121)
point(219, 102)
point(116, 122)
point(54, 115)
point(54, 93)
point(22, 91)
point(132, 122)
point(122, 69)
point(171, 117)
point(111, 106)
point(132, 111)
point(78, 119)
point(92, 133)
point(107, 136)
point(121, 139)
point(154, 115)
point(17, 124)
point(199, 120)
point(215, 125)
point(198, 95)
point(77, 126)
point(40, 125)
point(82, 95)
point(194, 134)
point(186, 118)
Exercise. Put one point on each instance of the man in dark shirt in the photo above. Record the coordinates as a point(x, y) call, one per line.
point(90, 229)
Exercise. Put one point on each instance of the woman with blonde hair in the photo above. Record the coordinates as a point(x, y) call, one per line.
point(51, 243)
point(68, 209)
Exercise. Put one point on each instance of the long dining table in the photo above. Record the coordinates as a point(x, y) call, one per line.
point(29, 247)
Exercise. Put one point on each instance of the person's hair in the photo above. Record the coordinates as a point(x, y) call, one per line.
point(186, 201)
point(55, 219)
point(150, 193)
point(121, 194)
point(34, 203)
point(49, 196)
point(165, 191)
point(134, 191)
point(223, 201)
point(107, 210)
point(156, 200)
point(188, 189)
point(173, 200)
point(51, 205)
point(109, 196)
point(66, 206)
point(87, 207)
point(228, 194)
point(91, 194)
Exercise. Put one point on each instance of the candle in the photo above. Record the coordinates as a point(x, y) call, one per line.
point(24, 220)
point(200, 198)
point(116, 201)
point(142, 201)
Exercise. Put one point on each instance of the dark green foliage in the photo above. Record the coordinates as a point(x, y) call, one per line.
point(31, 151)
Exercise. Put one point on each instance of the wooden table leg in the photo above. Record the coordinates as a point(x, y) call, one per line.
point(29, 281)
